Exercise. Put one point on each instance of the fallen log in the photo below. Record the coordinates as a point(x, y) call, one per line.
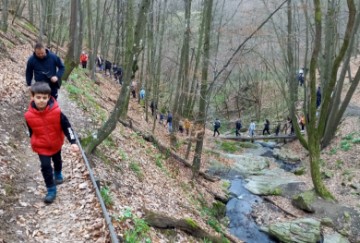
point(187, 225)
point(164, 149)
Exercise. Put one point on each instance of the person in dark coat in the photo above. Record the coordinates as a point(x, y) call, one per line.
point(45, 66)
point(217, 125)
point(238, 126)
point(318, 97)
point(266, 127)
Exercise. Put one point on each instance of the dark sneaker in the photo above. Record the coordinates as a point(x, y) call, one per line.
point(51, 194)
point(58, 177)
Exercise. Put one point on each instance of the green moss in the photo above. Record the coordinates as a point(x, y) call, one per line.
point(191, 223)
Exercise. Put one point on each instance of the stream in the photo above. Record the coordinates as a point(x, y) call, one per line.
point(239, 207)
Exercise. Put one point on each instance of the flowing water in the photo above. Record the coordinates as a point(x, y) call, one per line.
point(239, 207)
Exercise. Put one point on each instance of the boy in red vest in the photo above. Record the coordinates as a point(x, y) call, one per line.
point(83, 59)
point(47, 127)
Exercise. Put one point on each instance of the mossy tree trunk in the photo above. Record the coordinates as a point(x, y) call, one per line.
point(71, 60)
point(182, 76)
point(133, 49)
point(201, 117)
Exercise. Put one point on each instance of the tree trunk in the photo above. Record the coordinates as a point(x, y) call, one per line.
point(4, 11)
point(134, 36)
point(202, 113)
point(71, 60)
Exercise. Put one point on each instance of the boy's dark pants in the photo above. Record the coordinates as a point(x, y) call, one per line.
point(46, 168)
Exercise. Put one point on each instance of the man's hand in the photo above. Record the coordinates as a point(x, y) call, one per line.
point(54, 79)
point(74, 147)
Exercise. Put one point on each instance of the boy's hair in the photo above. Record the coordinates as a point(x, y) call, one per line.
point(39, 45)
point(40, 88)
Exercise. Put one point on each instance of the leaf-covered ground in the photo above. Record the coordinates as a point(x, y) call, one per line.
point(135, 175)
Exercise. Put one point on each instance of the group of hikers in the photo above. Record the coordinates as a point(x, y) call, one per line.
point(283, 127)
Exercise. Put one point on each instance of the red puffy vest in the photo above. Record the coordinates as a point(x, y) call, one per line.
point(83, 58)
point(47, 135)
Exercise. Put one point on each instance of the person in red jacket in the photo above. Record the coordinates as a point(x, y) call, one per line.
point(47, 128)
point(83, 59)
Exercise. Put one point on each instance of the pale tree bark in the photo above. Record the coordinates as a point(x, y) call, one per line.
point(183, 75)
point(156, 82)
point(31, 11)
point(338, 107)
point(201, 118)
point(133, 40)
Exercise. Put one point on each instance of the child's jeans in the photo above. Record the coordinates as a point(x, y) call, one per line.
point(46, 168)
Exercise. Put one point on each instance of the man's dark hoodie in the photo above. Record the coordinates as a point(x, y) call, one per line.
point(44, 69)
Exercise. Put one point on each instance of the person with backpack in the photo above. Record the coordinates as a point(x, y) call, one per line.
point(266, 127)
point(301, 77)
point(252, 127)
point(217, 125)
point(84, 59)
point(169, 121)
point(238, 126)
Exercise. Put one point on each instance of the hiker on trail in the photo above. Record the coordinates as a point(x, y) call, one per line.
point(47, 127)
point(302, 122)
point(238, 126)
point(153, 107)
point(217, 125)
point(181, 126)
point(187, 126)
point(252, 127)
point(169, 121)
point(45, 66)
point(277, 130)
point(301, 77)
point(161, 118)
point(118, 74)
point(266, 127)
point(83, 59)
point(108, 66)
point(99, 62)
point(290, 124)
point(142, 94)
point(318, 97)
point(133, 89)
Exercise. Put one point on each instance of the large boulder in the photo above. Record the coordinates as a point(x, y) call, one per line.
point(304, 201)
point(286, 155)
point(270, 182)
point(305, 230)
point(248, 164)
point(335, 238)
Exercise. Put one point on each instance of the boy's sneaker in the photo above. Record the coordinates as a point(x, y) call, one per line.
point(58, 177)
point(51, 194)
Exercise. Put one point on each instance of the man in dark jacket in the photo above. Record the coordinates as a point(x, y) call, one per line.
point(238, 127)
point(45, 66)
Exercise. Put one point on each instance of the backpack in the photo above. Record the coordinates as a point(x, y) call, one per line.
point(217, 123)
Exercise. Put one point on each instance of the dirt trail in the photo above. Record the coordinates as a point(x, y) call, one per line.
point(75, 216)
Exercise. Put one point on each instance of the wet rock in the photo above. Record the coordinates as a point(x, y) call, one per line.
point(327, 222)
point(249, 164)
point(335, 238)
point(286, 155)
point(304, 201)
point(268, 182)
point(300, 230)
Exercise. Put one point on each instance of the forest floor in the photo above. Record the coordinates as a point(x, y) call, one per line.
point(137, 175)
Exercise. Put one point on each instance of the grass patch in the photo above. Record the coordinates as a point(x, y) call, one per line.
point(230, 147)
point(139, 228)
point(105, 194)
point(135, 167)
